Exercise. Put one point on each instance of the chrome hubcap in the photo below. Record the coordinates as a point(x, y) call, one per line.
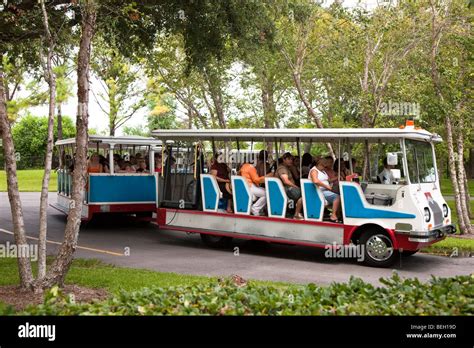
point(379, 247)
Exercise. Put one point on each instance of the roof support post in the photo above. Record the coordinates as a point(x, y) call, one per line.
point(111, 159)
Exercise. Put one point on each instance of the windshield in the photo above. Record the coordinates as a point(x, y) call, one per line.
point(421, 168)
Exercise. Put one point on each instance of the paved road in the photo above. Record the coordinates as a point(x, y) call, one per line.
point(179, 252)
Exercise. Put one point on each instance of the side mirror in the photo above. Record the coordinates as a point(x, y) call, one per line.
point(396, 174)
point(392, 159)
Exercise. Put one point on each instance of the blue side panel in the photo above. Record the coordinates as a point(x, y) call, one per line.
point(241, 196)
point(122, 188)
point(354, 207)
point(277, 201)
point(313, 202)
point(210, 194)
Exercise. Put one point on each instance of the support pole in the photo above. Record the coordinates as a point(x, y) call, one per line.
point(111, 159)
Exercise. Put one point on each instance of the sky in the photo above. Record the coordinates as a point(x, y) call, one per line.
point(98, 119)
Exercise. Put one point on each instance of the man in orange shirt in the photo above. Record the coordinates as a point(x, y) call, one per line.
point(249, 172)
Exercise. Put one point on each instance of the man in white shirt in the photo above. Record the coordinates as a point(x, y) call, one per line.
point(386, 176)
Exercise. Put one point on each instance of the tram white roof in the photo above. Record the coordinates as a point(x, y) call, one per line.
point(314, 134)
point(119, 140)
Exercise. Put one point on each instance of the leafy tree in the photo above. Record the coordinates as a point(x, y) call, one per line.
point(122, 94)
point(139, 130)
point(162, 113)
point(132, 28)
point(30, 135)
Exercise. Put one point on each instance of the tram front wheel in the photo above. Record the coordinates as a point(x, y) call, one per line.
point(215, 241)
point(378, 249)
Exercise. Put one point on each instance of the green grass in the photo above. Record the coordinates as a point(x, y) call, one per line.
point(453, 210)
point(29, 180)
point(447, 187)
point(450, 245)
point(96, 274)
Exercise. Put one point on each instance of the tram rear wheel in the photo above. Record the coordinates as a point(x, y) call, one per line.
point(215, 241)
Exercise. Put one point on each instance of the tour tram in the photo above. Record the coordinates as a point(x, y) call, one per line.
point(112, 189)
point(384, 220)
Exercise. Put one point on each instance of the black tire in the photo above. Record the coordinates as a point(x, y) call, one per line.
point(215, 241)
point(406, 253)
point(378, 248)
point(144, 218)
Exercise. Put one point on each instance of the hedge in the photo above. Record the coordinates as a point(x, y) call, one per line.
point(439, 296)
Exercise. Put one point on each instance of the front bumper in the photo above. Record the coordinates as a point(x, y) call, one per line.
point(428, 236)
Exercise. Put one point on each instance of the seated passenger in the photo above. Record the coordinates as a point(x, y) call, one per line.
point(141, 166)
point(117, 160)
point(93, 165)
point(318, 175)
point(293, 192)
point(249, 172)
point(222, 174)
point(132, 160)
point(105, 164)
point(263, 166)
point(306, 162)
point(127, 168)
point(332, 174)
point(386, 176)
point(352, 176)
point(295, 170)
point(158, 163)
point(343, 172)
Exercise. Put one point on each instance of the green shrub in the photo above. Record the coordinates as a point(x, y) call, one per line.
point(439, 296)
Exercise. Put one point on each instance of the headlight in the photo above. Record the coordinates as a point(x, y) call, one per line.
point(427, 215)
point(445, 210)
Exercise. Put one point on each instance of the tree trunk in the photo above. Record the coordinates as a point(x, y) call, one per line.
point(310, 110)
point(470, 164)
point(59, 117)
point(43, 218)
point(461, 178)
point(468, 198)
point(60, 267)
point(190, 117)
point(24, 265)
point(453, 174)
point(268, 103)
point(216, 96)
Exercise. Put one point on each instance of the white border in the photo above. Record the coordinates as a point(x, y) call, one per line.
point(283, 192)
point(321, 197)
point(216, 188)
point(246, 185)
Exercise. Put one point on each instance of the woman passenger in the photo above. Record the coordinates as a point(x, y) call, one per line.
point(222, 174)
point(319, 177)
point(93, 165)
